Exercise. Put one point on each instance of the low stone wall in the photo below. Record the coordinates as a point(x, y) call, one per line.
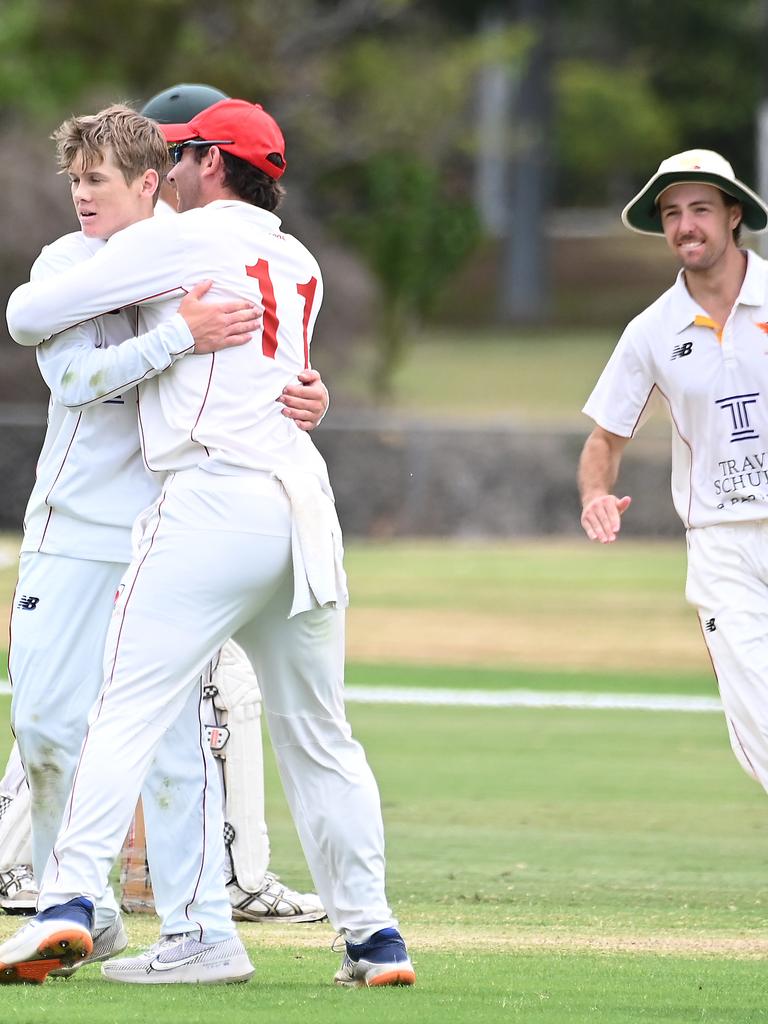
point(400, 478)
point(395, 479)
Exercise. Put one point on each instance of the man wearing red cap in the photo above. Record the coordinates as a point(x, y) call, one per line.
point(701, 348)
point(244, 542)
point(232, 699)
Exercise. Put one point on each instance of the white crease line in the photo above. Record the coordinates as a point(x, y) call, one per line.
point(518, 699)
point(530, 699)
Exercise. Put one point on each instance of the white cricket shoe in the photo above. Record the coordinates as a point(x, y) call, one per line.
point(107, 942)
point(182, 960)
point(275, 903)
point(380, 960)
point(18, 890)
point(57, 937)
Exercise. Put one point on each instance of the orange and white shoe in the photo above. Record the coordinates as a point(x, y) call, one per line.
point(380, 960)
point(54, 938)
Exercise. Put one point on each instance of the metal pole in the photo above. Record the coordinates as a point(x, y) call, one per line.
point(525, 279)
point(494, 117)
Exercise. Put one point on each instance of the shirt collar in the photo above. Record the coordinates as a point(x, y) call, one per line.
point(753, 293)
point(263, 217)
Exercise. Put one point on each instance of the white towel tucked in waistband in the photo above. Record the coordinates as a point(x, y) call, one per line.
point(319, 580)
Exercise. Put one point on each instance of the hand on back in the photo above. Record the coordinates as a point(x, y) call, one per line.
point(306, 402)
point(218, 325)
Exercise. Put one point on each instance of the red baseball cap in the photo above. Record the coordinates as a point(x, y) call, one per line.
point(254, 135)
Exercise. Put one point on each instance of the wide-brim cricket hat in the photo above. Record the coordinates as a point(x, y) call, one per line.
point(642, 213)
point(241, 128)
point(179, 103)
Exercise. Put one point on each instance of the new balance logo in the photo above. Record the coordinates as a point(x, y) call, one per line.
point(682, 350)
point(28, 604)
point(710, 626)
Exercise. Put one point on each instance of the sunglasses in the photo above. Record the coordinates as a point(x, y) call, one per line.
point(176, 149)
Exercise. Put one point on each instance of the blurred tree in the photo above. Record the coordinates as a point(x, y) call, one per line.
point(608, 122)
point(355, 80)
point(54, 53)
point(413, 236)
point(699, 61)
point(413, 101)
point(413, 92)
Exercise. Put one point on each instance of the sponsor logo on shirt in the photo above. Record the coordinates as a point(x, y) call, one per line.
point(737, 409)
point(28, 604)
point(743, 479)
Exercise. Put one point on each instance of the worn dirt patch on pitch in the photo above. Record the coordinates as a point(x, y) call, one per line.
point(437, 940)
point(453, 637)
point(432, 939)
point(142, 931)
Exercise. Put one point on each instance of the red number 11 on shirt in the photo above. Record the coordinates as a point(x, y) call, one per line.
point(260, 270)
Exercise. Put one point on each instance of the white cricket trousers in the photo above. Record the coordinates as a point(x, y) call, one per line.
point(728, 584)
point(62, 609)
point(215, 562)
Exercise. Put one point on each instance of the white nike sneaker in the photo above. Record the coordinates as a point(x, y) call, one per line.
point(275, 903)
point(182, 960)
point(18, 890)
point(107, 942)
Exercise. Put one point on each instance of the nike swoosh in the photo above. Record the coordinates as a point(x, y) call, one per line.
point(168, 965)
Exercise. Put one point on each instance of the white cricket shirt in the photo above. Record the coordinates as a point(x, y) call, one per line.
point(91, 481)
point(716, 387)
point(218, 409)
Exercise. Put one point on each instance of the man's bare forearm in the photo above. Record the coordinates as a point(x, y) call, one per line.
point(598, 472)
point(599, 464)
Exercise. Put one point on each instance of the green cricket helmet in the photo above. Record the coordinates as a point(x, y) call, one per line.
point(181, 103)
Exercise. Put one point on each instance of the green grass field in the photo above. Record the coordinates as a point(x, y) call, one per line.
point(460, 374)
point(547, 865)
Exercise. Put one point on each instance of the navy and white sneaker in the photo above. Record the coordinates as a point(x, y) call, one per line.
point(54, 938)
point(380, 960)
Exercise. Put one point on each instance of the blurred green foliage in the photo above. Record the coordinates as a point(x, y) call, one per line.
point(413, 237)
point(703, 61)
point(608, 120)
point(416, 95)
point(361, 76)
point(354, 81)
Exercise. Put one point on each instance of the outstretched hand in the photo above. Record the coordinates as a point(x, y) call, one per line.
point(218, 325)
point(601, 517)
